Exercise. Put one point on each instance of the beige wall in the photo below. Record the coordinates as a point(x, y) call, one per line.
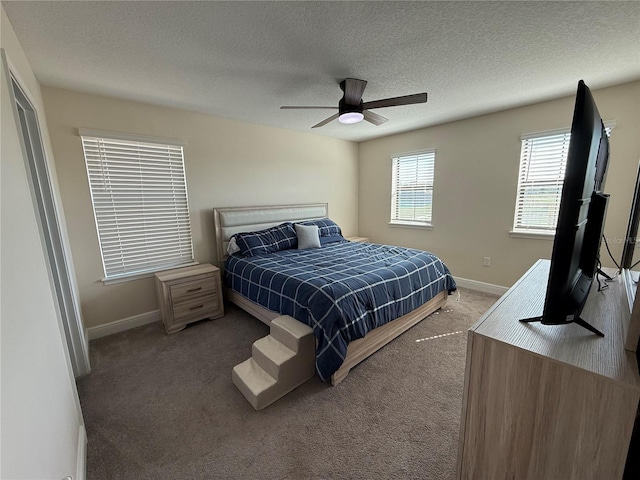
point(228, 163)
point(232, 163)
point(41, 416)
point(476, 175)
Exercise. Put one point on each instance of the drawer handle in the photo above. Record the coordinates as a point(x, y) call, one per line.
point(195, 308)
point(194, 289)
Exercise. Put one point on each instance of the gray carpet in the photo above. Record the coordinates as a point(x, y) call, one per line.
point(163, 407)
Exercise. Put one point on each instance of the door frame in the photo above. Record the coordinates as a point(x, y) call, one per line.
point(47, 207)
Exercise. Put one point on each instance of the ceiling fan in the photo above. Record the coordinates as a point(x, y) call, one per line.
point(351, 108)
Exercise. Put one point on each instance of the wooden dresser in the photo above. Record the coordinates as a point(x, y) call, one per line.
point(189, 294)
point(548, 401)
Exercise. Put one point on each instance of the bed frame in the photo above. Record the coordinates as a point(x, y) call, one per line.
point(229, 221)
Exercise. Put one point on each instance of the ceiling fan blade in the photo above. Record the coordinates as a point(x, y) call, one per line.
point(353, 90)
point(306, 108)
point(374, 118)
point(395, 101)
point(326, 120)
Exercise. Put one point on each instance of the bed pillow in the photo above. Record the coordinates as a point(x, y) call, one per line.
point(233, 246)
point(331, 239)
point(274, 239)
point(326, 227)
point(308, 236)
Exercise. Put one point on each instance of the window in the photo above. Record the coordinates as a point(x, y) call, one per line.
point(139, 197)
point(412, 188)
point(543, 161)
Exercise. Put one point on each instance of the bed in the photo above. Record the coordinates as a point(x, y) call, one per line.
point(357, 297)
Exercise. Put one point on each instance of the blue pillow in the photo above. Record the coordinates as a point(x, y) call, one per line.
point(331, 239)
point(326, 227)
point(274, 239)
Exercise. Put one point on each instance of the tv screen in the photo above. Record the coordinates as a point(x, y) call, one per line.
point(583, 206)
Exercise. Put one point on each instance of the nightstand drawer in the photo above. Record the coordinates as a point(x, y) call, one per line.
point(194, 288)
point(196, 309)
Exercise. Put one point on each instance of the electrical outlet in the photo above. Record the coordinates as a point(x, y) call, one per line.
point(486, 261)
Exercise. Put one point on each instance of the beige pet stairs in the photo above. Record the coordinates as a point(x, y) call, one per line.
point(280, 362)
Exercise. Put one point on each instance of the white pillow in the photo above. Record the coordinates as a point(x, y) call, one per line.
point(232, 247)
point(308, 236)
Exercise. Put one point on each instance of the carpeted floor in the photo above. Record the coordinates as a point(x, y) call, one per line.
point(163, 407)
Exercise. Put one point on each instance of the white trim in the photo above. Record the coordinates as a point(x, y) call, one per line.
point(86, 132)
point(81, 467)
point(406, 224)
point(123, 324)
point(611, 124)
point(630, 279)
point(545, 133)
point(415, 152)
point(480, 286)
point(129, 277)
point(47, 205)
point(536, 235)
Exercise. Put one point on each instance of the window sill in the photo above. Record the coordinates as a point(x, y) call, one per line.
point(533, 235)
point(138, 276)
point(423, 226)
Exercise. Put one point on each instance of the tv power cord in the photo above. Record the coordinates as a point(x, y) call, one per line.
point(606, 244)
point(599, 271)
point(602, 287)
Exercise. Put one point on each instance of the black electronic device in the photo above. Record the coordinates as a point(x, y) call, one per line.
point(583, 207)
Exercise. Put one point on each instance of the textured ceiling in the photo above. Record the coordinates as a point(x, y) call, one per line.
point(243, 60)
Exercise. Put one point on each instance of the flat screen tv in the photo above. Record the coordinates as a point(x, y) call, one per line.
point(583, 206)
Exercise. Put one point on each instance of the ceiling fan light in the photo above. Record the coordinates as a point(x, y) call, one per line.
point(350, 117)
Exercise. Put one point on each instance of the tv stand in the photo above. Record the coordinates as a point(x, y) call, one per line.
point(600, 272)
point(542, 402)
point(584, 324)
point(576, 320)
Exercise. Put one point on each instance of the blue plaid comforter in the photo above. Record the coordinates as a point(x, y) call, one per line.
point(342, 290)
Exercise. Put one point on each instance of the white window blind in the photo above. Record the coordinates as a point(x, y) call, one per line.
point(139, 196)
point(543, 161)
point(412, 188)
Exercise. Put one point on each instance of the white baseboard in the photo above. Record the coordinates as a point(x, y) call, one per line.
point(481, 286)
point(81, 468)
point(123, 324)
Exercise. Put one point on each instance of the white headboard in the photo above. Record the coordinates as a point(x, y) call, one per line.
point(229, 221)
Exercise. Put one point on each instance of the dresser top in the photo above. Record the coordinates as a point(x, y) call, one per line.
point(607, 311)
point(176, 273)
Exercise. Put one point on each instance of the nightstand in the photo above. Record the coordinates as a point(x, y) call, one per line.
point(358, 239)
point(189, 294)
